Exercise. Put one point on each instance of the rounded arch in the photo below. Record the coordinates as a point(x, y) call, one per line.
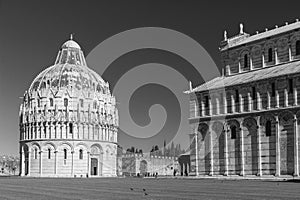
point(46, 145)
point(250, 123)
point(25, 147)
point(267, 117)
point(63, 144)
point(295, 38)
point(217, 127)
point(82, 144)
point(245, 58)
point(269, 44)
point(282, 43)
point(233, 122)
point(35, 145)
point(286, 117)
point(96, 149)
point(109, 149)
point(244, 51)
point(256, 50)
point(202, 129)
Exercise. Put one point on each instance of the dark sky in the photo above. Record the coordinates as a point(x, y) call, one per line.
point(31, 32)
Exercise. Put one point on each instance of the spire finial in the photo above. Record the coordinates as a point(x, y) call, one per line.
point(241, 28)
point(71, 36)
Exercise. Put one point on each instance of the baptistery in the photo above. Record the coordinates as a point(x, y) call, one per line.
point(68, 120)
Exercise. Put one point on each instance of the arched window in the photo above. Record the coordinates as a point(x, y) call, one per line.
point(65, 102)
point(51, 102)
point(298, 48)
point(65, 154)
point(71, 128)
point(268, 128)
point(80, 154)
point(246, 61)
point(49, 153)
point(270, 55)
point(233, 132)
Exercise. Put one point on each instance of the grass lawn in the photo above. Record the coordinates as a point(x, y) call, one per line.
point(132, 188)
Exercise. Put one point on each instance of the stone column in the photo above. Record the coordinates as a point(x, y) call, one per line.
point(202, 107)
point(78, 130)
point(211, 154)
point(269, 100)
point(277, 147)
point(226, 149)
point(55, 130)
point(29, 132)
point(196, 149)
point(240, 68)
point(251, 62)
point(277, 99)
point(62, 128)
point(250, 103)
point(259, 173)
point(296, 157)
point(50, 129)
point(258, 99)
point(225, 103)
point(217, 106)
point(74, 130)
point(295, 96)
point(22, 162)
point(40, 130)
point(72, 166)
point(290, 53)
point(263, 60)
point(55, 162)
point(286, 98)
point(88, 164)
point(67, 129)
point(29, 162)
point(242, 152)
point(276, 56)
point(232, 104)
point(210, 106)
point(36, 130)
point(241, 103)
point(41, 163)
point(47, 132)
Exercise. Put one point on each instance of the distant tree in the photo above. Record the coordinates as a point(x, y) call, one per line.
point(141, 151)
point(132, 149)
point(129, 150)
point(172, 153)
point(152, 149)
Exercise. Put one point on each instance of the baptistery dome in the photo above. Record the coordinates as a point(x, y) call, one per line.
point(68, 120)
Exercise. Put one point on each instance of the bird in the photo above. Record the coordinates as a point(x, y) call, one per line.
point(144, 189)
point(145, 194)
point(131, 188)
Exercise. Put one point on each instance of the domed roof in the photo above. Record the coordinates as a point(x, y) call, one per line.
point(70, 72)
point(71, 44)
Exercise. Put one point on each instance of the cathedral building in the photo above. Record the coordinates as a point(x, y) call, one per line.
point(68, 121)
point(246, 122)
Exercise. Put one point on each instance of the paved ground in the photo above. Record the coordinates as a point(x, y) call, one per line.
point(132, 188)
